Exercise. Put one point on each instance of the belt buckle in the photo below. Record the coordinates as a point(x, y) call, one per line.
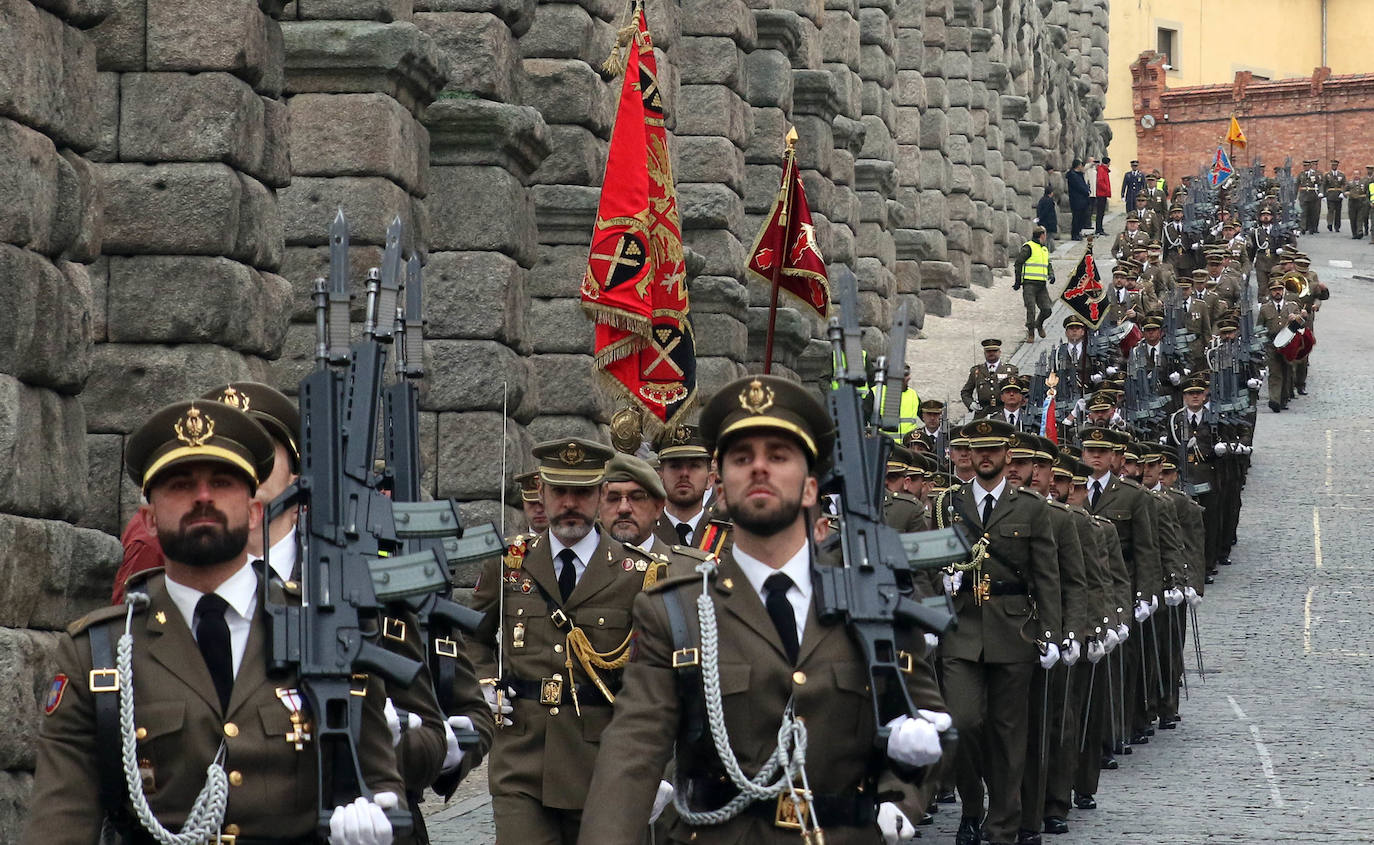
point(226, 839)
point(685, 657)
point(559, 619)
point(393, 629)
point(445, 647)
point(551, 691)
point(791, 815)
point(108, 680)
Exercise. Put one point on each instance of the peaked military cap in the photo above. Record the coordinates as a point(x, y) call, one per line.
point(199, 430)
point(1075, 320)
point(529, 485)
point(275, 411)
point(1021, 444)
point(623, 467)
point(930, 406)
point(1201, 275)
point(1154, 321)
point(1195, 383)
point(1045, 449)
point(572, 462)
point(1102, 400)
point(1096, 437)
point(763, 402)
point(681, 441)
point(899, 459)
point(990, 343)
point(987, 433)
point(1132, 217)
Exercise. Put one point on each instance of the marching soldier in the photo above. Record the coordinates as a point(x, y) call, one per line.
point(1357, 190)
point(1177, 243)
point(1008, 601)
point(1203, 306)
point(931, 432)
point(1333, 186)
point(562, 599)
point(1150, 220)
point(1275, 314)
point(1309, 196)
point(536, 519)
point(773, 662)
point(199, 673)
point(1191, 433)
point(1264, 243)
point(901, 510)
point(685, 468)
point(1013, 396)
point(1125, 242)
point(1158, 272)
point(1132, 185)
point(982, 389)
point(632, 499)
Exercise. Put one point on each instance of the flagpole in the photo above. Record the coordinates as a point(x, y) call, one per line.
point(788, 163)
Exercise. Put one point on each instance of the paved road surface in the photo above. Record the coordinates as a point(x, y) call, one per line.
point(1276, 745)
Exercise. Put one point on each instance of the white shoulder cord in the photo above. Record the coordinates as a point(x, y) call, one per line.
point(207, 814)
point(788, 760)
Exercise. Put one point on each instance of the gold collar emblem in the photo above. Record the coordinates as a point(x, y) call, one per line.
point(756, 398)
point(235, 398)
point(572, 454)
point(194, 428)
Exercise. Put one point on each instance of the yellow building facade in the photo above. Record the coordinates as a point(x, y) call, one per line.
point(1209, 41)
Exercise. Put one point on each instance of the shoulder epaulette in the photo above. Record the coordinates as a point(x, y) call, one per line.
point(673, 583)
point(1056, 504)
point(694, 553)
point(1129, 482)
point(95, 617)
point(907, 497)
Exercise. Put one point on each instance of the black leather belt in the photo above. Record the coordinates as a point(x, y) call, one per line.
point(1000, 588)
point(552, 692)
point(854, 810)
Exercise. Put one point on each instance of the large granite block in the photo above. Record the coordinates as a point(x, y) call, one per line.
point(46, 337)
point(354, 135)
point(476, 295)
point(568, 91)
point(479, 50)
point(47, 74)
point(129, 382)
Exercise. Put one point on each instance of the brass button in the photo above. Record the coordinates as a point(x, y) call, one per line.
point(231, 830)
point(558, 648)
point(231, 730)
point(236, 778)
point(798, 677)
point(141, 733)
point(553, 711)
point(520, 611)
point(601, 620)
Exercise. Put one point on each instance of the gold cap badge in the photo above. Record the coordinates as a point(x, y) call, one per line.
point(194, 427)
point(572, 454)
point(983, 428)
point(756, 397)
point(235, 398)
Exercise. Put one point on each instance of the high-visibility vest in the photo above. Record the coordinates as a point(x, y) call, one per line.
point(837, 364)
point(908, 415)
point(1371, 192)
point(1037, 267)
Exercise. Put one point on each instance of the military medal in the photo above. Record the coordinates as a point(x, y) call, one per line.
point(526, 585)
point(295, 706)
point(627, 565)
point(517, 635)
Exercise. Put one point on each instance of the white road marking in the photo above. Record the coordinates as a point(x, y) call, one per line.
point(1266, 761)
point(1340, 262)
point(1317, 537)
point(1330, 464)
point(1306, 624)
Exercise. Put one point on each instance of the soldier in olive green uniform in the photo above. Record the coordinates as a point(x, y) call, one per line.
point(1309, 196)
point(1008, 601)
point(1357, 191)
point(771, 440)
point(1333, 186)
point(199, 668)
point(562, 599)
point(982, 391)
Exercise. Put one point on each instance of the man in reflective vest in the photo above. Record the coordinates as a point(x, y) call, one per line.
point(909, 418)
point(1033, 277)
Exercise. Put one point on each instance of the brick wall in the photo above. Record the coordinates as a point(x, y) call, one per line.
point(1322, 116)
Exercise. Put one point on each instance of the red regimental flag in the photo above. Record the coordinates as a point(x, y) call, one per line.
point(786, 247)
point(635, 284)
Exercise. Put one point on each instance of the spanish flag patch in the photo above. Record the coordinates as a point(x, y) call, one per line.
point(55, 690)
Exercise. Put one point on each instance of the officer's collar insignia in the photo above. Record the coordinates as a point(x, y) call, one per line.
point(983, 428)
point(161, 617)
point(572, 454)
point(235, 398)
point(756, 398)
point(194, 427)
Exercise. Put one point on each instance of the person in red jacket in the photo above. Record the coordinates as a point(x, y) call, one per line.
point(142, 551)
point(1104, 190)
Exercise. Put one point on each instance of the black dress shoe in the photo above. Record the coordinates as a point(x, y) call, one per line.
point(1209, 578)
point(1302, 391)
point(1027, 837)
point(1274, 406)
point(1054, 824)
point(945, 798)
point(1084, 802)
point(968, 831)
point(1140, 739)
point(1168, 726)
point(1109, 763)
point(1226, 561)
point(926, 818)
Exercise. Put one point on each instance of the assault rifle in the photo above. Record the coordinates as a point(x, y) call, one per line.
point(354, 562)
point(872, 592)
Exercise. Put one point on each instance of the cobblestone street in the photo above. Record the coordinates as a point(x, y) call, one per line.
point(1274, 745)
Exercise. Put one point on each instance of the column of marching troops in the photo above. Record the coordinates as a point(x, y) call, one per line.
point(652, 667)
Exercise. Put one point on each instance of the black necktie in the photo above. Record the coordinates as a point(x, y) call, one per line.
point(684, 533)
point(987, 510)
point(567, 576)
point(1152, 357)
point(212, 635)
point(1011, 419)
point(1097, 492)
point(780, 611)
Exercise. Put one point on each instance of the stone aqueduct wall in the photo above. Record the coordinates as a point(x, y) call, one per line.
point(179, 164)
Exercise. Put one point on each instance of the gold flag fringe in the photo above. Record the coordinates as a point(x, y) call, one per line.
point(619, 59)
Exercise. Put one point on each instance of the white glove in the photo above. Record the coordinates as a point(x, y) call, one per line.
point(363, 822)
point(1050, 657)
point(1122, 632)
point(1071, 652)
point(1264, 373)
point(393, 722)
point(976, 406)
point(1096, 651)
point(1175, 378)
point(1164, 440)
point(1221, 448)
point(1173, 597)
point(916, 742)
point(1190, 595)
point(1253, 384)
point(1080, 406)
point(932, 641)
point(1154, 604)
point(1095, 378)
point(1142, 610)
point(503, 714)
point(1192, 443)
point(953, 582)
point(1187, 372)
point(1245, 450)
point(893, 823)
point(661, 800)
point(1110, 641)
point(1111, 371)
point(454, 755)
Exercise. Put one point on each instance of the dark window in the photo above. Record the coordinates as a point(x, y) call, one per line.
point(1167, 46)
